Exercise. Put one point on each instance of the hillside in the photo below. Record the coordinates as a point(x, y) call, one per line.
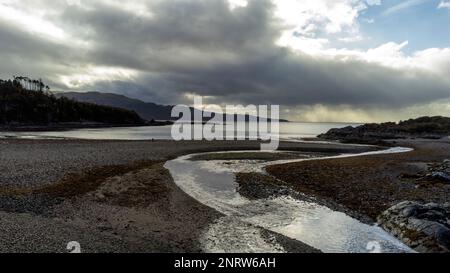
point(148, 111)
point(424, 127)
point(23, 104)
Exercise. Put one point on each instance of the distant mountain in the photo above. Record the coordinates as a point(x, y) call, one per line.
point(147, 110)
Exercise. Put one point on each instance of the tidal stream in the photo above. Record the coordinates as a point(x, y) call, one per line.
point(212, 183)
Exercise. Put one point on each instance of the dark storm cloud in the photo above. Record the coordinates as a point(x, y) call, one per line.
point(179, 35)
point(206, 48)
point(20, 51)
point(288, 79)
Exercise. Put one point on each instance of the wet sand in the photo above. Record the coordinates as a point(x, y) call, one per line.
point(111, 196)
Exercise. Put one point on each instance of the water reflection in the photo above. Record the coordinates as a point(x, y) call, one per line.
point(213, 184)
point(288, 131)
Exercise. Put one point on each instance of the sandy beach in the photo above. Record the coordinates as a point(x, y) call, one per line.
point(110, 196)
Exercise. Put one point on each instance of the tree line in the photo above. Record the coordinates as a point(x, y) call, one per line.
point(31, 84)
point(23, 101)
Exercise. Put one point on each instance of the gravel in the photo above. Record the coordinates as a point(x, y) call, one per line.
point(141, 211)
point(25, 163)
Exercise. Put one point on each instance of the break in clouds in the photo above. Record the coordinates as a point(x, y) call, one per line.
point(248, 52)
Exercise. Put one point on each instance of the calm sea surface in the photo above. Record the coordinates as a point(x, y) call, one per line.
point(288, 131)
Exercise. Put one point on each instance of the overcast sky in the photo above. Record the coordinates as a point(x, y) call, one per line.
point(321, 60)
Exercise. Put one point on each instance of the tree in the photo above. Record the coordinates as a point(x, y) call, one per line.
point(41, 85)
point(30, 105)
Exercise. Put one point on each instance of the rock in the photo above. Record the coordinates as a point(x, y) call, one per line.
point(436, 172)
point(445, 177)
point(423, 227)
point(100, 196)
point(410, 211)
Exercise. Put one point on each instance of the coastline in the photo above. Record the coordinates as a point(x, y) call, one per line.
point(111, 196)
point(116, 196)
point(396, 191)
point(61, 127)
point(371, 184)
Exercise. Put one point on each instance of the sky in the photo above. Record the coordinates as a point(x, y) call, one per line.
point(321, 60)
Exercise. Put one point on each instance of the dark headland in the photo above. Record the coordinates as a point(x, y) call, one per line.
point(28, 105)
point(424, 127)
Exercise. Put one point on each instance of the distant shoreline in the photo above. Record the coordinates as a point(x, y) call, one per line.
point(75, 126)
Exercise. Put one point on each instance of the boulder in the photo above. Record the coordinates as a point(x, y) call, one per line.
point(424, 227)
point(440, 171)
point(436, 172)
point(442, 176)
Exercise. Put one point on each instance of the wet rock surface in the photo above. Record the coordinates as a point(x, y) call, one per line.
point(440, 172)
point(424, 227)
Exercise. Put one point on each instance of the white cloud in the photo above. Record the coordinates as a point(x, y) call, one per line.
point(432, 60)
point(31, 23)
point(311, 46)
point(97, 73)
point(330, 15)
point(306, 20)
point(444, 5)
point(373, 2)
point(349, 113)
point(136, 7)
point(404, 5)
point(351, 39)
point(312, 23)
point(237, 3)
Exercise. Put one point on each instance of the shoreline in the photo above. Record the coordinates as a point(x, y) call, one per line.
point(61, 127)
point(127, 202)
point(366, 187)
point(368, 172)
point(40, 184)
point(363, 186)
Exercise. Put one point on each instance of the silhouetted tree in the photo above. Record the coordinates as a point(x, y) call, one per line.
point(19, 105)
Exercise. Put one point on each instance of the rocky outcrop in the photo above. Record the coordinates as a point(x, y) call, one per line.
point(441, 176)
point(425, 228)
point(440, 172)
point(425, 127)
point(436, 173)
